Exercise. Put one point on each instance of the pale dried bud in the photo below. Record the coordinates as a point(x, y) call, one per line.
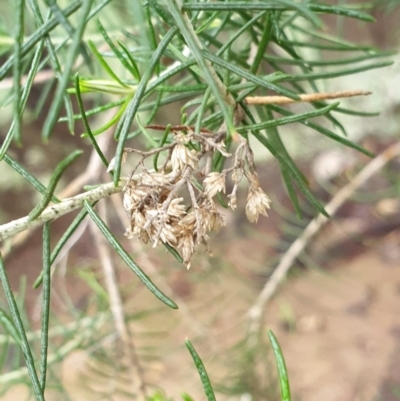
point(182, 138)
point(257, 203)
point(181, 157)
point(155, 179)
point(232, 201)
point(133, 196)
point(214, 183)
point(167, 235)
point(217, 221)
point(187, 223)
point(186, 248)
point(175, 209)
point(209, 218)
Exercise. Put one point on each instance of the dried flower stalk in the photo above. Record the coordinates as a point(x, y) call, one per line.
point(307, 97)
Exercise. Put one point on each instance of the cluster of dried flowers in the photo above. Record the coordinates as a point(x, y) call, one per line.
point(175, 204)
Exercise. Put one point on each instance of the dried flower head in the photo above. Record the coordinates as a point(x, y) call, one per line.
point(181, 157)
point(210, 219)
point(257, 203)
point(159, 213)
point(214, 183)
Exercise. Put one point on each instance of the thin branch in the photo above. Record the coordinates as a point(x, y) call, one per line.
point(308, 97)
point(152, 151)
point(55, 211)
point(255, 313)
point(159, 127)
point(195, 207)
point(91, 173)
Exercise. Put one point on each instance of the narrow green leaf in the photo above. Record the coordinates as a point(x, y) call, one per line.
point(279, 147)
point(55, 63)
point(357, 112)
point(95, 110)
point(324, 131)
point(201, 111)
point(219, 91)
point(105, 65)
point(112, 120)
point(125, 123)
point(151, 35)
point(239, 32)
point(62, 241)
point(162, 12)
point(17, 68)
point(174, 71)
point(294, 172)
point(157, 104)
point(55, 107)
point(280, 363)
point(9, 326)
point(134, 69)
point(165, 101)
point(208, 390)
point(150, 140)
point(36, 37)
point(86, 122)
point(262, 46)
point(63, 21)
point(251, 77)
point(44, 337)
point(211, 40)
point(288, 6)
point(221, 199)
point(24, 97)
point(322, 46)
point(160, 145)
point(37, 211)
point(291, 190)
point(347, 12)
point(30, 364)
point(28, 176)
point(287, 120)
point(127, 258)
point(335, 74)
point(209, 21)
point(174, 252)
point(324, 62)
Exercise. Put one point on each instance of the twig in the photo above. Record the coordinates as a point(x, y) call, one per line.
point(185, 128)
point(91, 172)
point(117, 308)
point(55, 211)
point(195, 207)
point(255, 313)
point(308, 97)
point(152, 151)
